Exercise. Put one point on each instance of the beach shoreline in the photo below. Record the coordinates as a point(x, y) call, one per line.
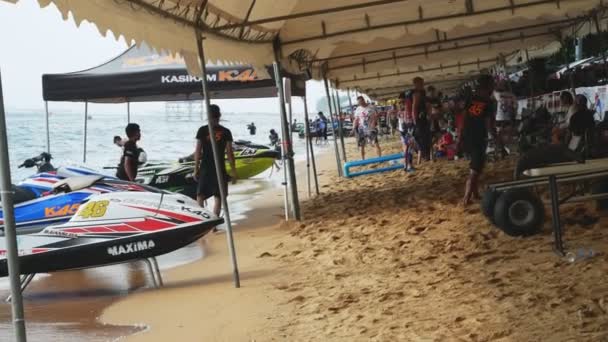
point(256, 236)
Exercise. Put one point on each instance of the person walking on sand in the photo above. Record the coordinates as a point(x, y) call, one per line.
point(419, 108)
point(477, 124)
point(204, 163)
point(366, 119)
point(127, 169)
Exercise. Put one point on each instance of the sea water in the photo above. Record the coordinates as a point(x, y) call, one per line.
point(163, 137)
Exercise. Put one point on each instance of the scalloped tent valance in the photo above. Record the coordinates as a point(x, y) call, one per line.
point(344, 40)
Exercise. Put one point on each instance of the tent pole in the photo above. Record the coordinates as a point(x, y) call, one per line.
point(310, 147)
point(48, 129)
point(350, 102)
point(84, 139)
point(9, 228)
point(601, 46)
point(306, 139)
point(340, 124)
point(128, 112)
point(331, 119)
point(287, 146)
point(216, 158)
point(284, 183)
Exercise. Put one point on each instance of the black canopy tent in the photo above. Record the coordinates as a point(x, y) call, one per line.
point(142, 74)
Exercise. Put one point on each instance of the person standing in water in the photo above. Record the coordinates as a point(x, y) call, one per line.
point(127, 169)
point(477, 124)
point(252, 129)
point(204, 162)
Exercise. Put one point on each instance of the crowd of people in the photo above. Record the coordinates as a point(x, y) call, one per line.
point(432, 128)
point(429, 125)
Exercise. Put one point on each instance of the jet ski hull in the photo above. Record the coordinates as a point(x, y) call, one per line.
point(113, 228)
point(94, 251)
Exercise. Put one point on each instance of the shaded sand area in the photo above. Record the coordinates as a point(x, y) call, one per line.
point(386, 257)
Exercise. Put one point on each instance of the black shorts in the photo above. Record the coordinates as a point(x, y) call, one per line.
point(207, 184)
point(477, 153)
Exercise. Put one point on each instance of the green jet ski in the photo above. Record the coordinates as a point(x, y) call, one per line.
point(250, 161)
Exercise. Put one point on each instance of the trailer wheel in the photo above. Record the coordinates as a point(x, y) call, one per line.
point(488, 201)
point(519, 213)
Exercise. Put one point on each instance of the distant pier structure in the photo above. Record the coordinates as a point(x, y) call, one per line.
point(184, 110)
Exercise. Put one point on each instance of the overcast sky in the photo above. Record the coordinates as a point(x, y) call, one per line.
point(34, 41)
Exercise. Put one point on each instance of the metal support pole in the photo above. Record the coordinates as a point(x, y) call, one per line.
point(47, 127)
point(309, 146)
point(216, 158)
point(9, 228)
point(284, 183)
point(128, 112)
point(340, 125)
point(287, 146)
point(306, 139)
point(530, 74)
point(350, 102)
point(602, 48)
point(557, 226)
point(84, 138)
point(331, 119)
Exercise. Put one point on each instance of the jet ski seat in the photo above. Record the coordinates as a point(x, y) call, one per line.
point(76, 183)
point(21, 195)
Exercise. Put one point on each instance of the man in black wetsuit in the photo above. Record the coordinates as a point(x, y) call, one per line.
point(205, 164)
point(127, 169)
point(477, 124)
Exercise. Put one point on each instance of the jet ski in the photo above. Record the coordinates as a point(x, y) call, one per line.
point(113, 228)
point(48, 199)
point(250, 160)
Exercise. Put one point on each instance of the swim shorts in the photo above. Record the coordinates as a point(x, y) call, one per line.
point(477, 155)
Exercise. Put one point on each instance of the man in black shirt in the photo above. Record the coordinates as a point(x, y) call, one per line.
point(477, 124)
point(127, 169)
point(205, 164)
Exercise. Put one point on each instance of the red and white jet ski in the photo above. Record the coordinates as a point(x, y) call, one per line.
point(113, 228)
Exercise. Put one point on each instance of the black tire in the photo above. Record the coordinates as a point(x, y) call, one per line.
point(519, 213)
point(488, 201)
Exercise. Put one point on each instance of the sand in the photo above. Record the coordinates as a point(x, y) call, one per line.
point(385, 257)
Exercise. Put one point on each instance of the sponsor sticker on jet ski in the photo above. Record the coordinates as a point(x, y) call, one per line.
point(132, 247)
point(58, 211)
point(94, 209)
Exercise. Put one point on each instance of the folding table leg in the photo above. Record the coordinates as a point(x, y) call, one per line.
point(151, 270)
point(157, 270)
point(25, 281)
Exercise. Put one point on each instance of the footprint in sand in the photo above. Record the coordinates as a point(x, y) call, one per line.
point(265, 255)
point(297, 299)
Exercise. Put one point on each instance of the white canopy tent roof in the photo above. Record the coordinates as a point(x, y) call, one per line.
point(348, 41)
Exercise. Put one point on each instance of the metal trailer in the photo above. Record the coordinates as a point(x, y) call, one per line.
point(519, 211)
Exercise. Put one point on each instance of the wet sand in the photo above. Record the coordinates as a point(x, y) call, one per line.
point(386, 257)
point(64, 306)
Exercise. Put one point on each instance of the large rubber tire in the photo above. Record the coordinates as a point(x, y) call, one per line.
point(519, 213)
point(488, 201)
